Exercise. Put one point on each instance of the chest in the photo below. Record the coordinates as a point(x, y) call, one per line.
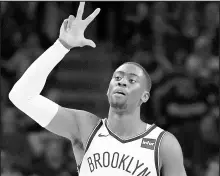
point(108, 154)
point(109, 148)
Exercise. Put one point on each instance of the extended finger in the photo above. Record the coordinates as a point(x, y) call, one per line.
point(89, 43)
point(80, 10)
point(70, 21)
point(92, 16)
point(65, 22)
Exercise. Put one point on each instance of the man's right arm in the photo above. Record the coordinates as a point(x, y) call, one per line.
point(25, 94)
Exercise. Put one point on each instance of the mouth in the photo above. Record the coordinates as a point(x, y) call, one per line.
point(120, 93)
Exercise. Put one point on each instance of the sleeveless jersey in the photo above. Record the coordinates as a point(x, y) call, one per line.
point(108, 155)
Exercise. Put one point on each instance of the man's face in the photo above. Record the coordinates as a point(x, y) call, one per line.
point(126, 87)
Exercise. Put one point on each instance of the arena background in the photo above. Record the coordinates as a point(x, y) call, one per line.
point(177, 43)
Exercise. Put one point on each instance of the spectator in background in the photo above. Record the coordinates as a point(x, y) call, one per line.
point(162, 31)
point(201, 63)
point(22, 58)
point(51, 21)
point(53, 159)
point(212, 167)
point(178, 101)
point(209, 129)
point(203, 145)
point(179, 106)
point(14, 26)
point(141, 26)
point(210, 27)
point(14, 142)
point(4, 7)
point(136, 28)
point(37, 144)
point(71, 162)
point(53, 94)
point(6, 166)
point(31, 10)
point(200, 141)
point(181, 44)
point(4, 88)
point(190, 24)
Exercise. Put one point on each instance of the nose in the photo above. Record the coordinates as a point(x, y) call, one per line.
point(122, 83)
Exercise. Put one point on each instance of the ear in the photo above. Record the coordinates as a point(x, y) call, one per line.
point(145, 96)
point(107, 92)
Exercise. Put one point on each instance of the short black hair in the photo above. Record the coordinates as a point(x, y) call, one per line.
point(147, 76)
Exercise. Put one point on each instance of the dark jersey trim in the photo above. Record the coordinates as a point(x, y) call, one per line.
point(93, 134)
point(156, 152)
point(78, 168)
point(153, 126)
point(97, 127)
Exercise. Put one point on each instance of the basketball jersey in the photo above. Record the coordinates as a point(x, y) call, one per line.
point(107, 154)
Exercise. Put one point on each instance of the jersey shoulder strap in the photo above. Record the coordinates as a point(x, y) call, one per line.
point(160, 135)
point(93, 133)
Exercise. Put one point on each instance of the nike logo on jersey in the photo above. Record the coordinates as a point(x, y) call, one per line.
point(148, 143)
point(102, 135)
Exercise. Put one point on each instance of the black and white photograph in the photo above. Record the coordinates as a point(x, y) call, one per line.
point(110, 88)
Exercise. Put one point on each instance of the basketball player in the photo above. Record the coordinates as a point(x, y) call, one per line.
point(121, 145)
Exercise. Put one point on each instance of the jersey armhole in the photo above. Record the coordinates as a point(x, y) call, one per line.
point(157, 152)
point(89, 140)
point(93, 133)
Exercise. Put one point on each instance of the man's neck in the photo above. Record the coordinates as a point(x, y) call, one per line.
point(125, 124)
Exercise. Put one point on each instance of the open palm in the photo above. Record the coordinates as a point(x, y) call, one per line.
point(72, 29)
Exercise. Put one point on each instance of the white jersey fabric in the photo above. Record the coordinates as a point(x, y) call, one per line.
point(108, 155)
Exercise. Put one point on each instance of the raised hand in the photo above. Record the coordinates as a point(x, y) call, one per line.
point(72, 29)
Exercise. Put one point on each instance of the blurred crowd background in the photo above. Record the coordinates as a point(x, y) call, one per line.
point(177, 43)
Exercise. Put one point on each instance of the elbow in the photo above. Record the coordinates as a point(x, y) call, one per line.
point(13, 93)
point(19, 101)
point(12, 96)
point(15, 96)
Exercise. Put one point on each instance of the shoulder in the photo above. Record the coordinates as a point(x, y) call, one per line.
point(169, 142)
point(169, 148)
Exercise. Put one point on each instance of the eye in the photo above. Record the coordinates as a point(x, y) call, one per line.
point(117, 78)
point(132, 81)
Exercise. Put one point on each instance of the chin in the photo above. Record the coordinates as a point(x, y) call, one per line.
point(118, 105)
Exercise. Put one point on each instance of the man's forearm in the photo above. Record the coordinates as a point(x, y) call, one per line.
point(33, 80)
